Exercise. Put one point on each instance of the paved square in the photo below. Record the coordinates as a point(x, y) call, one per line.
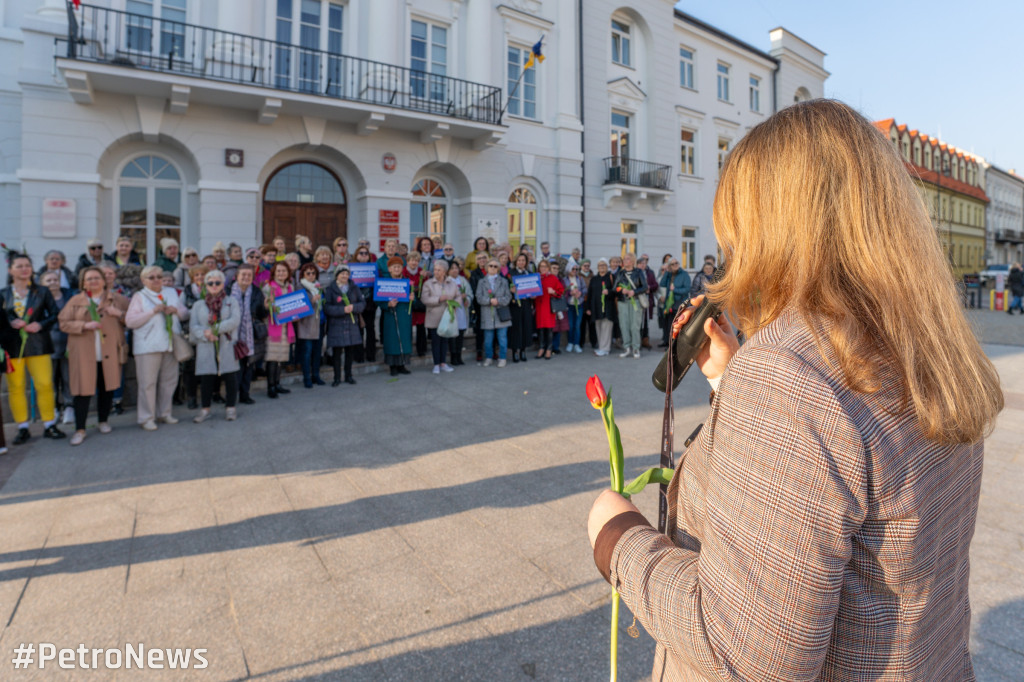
point(428, 528)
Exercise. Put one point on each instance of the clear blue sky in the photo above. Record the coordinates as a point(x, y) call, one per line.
point(950, 69)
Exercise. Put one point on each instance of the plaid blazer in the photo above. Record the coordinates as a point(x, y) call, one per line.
point(816, 534)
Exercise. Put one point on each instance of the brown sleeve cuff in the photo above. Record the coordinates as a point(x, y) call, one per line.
point(609, 537)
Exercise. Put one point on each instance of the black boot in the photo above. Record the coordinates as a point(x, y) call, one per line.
point(350, 380)
point(281, 390)
point(53, 432)
point(22, 437)
point(394, 371)
point(515, 356)
point(522, 356)
point(402, 369)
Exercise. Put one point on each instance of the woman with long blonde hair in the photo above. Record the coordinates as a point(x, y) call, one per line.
point(819, 526)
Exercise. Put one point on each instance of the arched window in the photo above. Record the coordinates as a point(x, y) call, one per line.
point(304, 183)
point(428, 210)
point(802, 94)
point(149, 204)
point(522, 218)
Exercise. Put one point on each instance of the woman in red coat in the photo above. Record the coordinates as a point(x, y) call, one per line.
point(551, 287)
point(416, 276)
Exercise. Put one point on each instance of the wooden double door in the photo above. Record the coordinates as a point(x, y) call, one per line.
point(322, 223)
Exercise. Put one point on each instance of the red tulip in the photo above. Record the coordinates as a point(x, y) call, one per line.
point(596, 393)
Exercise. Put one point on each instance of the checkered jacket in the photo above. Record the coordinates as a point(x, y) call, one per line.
point(815, 533)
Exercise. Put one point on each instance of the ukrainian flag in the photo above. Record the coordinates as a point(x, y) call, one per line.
point(534, 54)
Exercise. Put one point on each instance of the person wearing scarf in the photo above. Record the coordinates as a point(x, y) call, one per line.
point(213, 328)
point(156, 368)
point(492, 292)
point(417, 276)
point(308, 329)
point(254, 311)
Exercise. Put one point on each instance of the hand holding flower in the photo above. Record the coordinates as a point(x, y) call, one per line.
point(91, 326)
point(18, 323)
point(33, 327)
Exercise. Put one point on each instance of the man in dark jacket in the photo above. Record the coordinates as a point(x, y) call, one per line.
point(1016, 282)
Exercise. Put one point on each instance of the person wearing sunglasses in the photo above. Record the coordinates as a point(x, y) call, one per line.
point(492, 293)
point(156, 367)
point(189, 259)
point(367, 352)
point(213, 329)
point(93, 256)
point(339, 251)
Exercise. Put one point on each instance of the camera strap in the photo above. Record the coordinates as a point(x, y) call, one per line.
point(668, 427)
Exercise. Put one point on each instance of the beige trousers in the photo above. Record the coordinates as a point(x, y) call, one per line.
point(157, 374)
point(604, 334)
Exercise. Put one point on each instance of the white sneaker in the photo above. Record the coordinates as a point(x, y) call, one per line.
point(149, 426)
point(447, 368)
point(636, 353)
point(579, 348)
point(626, 353)
point(437, 369)
point(69, 415)
point(488, 362)
point(502, 363)
point(169, 419)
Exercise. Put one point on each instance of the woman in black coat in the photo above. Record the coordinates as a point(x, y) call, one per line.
point(343, 308)
point(521, 332)
point(600, 306)
point(31, 312)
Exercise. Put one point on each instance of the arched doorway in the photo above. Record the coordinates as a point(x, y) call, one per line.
point(304, 198)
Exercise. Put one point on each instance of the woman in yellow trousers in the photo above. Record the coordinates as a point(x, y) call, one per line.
point(31, 311)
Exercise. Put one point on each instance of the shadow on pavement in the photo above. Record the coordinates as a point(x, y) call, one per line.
point(320, 524)
point(998, 654)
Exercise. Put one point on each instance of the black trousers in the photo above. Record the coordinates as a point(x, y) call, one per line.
point(544, 336)
point(519, 336)
point(476, 329)
point(104, 401)
point(245, 377)
point(455, 345)
point(273, 374)
point(438, 346)
point(208, 383)
point(336, 352)
point(369, 350)
point(421, 340)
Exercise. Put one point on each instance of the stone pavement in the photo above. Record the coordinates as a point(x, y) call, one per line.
point(428, 528)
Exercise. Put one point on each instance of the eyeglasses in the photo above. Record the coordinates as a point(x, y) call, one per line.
point(191, 255)
point(215, 283)
point(154, 277)
point(96, 248)
point(492, 265)
point(342, 243)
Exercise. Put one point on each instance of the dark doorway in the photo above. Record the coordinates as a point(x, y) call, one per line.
point(304, 198)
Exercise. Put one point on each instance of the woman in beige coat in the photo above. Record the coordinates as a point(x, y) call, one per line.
point(92, 320)
point(436, 293)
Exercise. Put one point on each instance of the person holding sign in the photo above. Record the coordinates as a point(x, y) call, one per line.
point(280, 337)
point(522, 313)
point(343, 305)
point(396, 326)
point(369, 348)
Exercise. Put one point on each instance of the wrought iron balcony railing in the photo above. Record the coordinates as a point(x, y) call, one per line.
point(109, 36)
point(626, 171)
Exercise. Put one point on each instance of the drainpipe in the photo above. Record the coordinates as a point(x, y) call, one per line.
point(583, 162)
point(775, 86)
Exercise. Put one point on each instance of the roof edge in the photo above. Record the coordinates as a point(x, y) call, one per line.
point(689, 18)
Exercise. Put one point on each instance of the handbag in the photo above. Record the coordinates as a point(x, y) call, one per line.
point(259, 330)
point(504, 313)
point(241, 350)
point(183, 350)
point(645, 301)
point(558, 305)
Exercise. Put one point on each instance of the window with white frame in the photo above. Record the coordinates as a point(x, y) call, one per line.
point(687, 152)
point(428, 59)
point(170, 17)
point(755, 93)
point(428, 209)
point(620, 43)
point(150, 192)
point(686, 68)
point(723, 151)
point(630, 237)
point(620, 135)
point(312, 27)
point(723, 81)
point(522, 100)
point(689, 250)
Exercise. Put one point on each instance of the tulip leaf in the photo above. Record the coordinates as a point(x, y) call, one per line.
point(655, 475)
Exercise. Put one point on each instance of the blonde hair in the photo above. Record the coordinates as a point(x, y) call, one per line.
point(815, 211)
point(149, 270)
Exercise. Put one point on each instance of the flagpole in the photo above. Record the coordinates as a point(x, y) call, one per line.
point(515, 88)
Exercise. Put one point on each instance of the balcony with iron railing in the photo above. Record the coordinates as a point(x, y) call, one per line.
point(1012, 236)
point(114, 48)
point(636, 180)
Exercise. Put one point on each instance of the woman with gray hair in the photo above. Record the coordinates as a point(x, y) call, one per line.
point(212, 328)
point(437, 292)
point(492, 294)
point(156, 314)
point(54, 261)
point(189, 259)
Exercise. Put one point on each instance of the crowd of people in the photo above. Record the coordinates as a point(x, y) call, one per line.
point(200, 330)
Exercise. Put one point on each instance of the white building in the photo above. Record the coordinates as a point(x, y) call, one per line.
point(237, 120)
point(1004, 216)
